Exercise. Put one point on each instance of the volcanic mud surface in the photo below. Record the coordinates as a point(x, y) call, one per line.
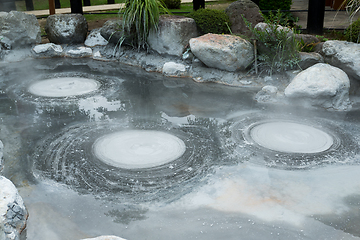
point(138, 154)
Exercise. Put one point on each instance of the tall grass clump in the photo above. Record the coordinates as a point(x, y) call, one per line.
point(140, 17)
point(352, 7)
point(277, 48)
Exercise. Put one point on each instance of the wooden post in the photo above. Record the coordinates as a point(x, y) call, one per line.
point(316, 13)
point(51, 7)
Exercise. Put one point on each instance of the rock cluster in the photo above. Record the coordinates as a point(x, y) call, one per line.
point(13, 214)
point(18, 30)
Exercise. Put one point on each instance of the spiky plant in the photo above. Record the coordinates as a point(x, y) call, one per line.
point(352, 7)
point(141, 16)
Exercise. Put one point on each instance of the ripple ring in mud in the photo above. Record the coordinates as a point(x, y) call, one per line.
point(78, 156)
point(281, 141)
point(61, 92)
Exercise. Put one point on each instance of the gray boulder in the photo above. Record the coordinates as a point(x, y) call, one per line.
point(112, 32)
point(66, 28)
point(308, 59)
point(13, 214)
point(246, 8)
point(173, 35)
point(321, 85)
point(225, 52)
point(307, 38)
point(344, 55)
point(18, 29)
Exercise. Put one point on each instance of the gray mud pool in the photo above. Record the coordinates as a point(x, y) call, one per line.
point(99, 148)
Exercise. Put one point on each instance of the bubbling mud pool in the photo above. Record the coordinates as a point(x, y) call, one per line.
point(105, 149)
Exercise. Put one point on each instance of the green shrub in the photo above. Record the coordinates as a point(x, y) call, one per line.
point(352, 33)
point(172, 4)
point(211, 21)
point(275, 4)
point(277, 48)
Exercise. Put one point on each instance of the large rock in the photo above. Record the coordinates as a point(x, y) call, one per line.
point(344, 55)
point(66, 28)
point(18, 30)
point(243, 8)
point(13, 214)
point(112, 31)
point(225, 52)
point(173, 35)
point(321, 85)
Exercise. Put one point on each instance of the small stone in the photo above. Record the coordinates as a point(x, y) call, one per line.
point(174, 69)
point(95, 39)
point(79, 52)
point(48, 50)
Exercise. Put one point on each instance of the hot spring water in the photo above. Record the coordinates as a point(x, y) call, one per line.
point(105, 149)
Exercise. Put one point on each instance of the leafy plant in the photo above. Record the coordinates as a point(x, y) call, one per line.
point(352, 33)
point(306, 47)
point(322, 38)
point(211, 21)
point(277, 48)
point(140, 17)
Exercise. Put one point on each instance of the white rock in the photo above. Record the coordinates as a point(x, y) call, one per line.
point(225, 52)
point(321, 85)
point(344, 55)
point(48, 50)
point(18, 29)
point(105, 238)
point(79, 52)
point(95, 39)
point(267, 94)
point(174, 69)
point(13, 214)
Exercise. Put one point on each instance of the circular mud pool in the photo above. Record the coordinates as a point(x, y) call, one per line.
point(289, 137)
point(138, 148)
point(63, 87)
point(119, 159)
point(285, 142)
